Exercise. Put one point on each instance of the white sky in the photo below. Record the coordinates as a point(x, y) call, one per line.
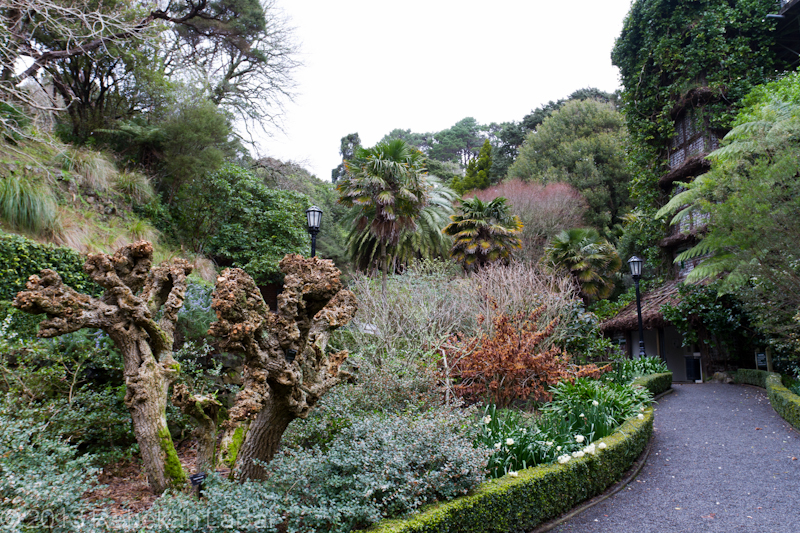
point(371, 66)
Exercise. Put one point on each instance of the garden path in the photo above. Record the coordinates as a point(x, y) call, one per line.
point(721, 461)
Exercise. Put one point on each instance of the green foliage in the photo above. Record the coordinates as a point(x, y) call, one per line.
point(667, 49)
point(483, 233)
point(703, 315)
point(195, 145)
point(235, 219)
point(425, 242)
point(591, 260)
point(195, 315)
point(580, 335)
point(627, 370)
point(27, 201)
point(655, 383)
point(579, 414)
point(41, 481)
point(479, 171)
point(595, 408)
point(20, 258)
point(387, 185)
point(381, 466)
point(581, 144)
point(459, 144)
point(536, 495)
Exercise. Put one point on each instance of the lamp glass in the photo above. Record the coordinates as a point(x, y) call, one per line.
point(314, 216)
point(635, 265)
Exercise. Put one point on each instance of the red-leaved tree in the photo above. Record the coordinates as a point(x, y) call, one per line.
point(544, 210)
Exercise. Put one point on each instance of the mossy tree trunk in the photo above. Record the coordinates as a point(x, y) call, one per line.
point(287, 369)
point(134, 294)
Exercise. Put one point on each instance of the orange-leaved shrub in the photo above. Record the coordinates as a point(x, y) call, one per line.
point(511, 362)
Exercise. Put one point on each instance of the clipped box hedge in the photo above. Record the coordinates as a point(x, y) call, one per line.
point(751, 376)
point(537, 495)
point(785, 402)
point(655, 383)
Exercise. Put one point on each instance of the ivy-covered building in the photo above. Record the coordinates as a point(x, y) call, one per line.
point(685, 66)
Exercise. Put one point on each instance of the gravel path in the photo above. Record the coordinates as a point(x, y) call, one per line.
point(721, 461)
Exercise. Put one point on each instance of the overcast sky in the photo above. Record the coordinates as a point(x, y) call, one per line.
point(371, 66)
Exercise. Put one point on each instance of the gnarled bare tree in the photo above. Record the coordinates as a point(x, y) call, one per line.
point(134, 295)
point(287, 368)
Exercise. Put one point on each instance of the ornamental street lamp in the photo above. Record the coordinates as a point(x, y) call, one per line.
point(636, 273)
point(314, 216)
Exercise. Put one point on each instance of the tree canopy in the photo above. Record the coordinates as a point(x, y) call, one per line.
point(581, 144)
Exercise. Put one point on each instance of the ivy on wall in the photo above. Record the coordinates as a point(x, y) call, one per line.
point(666, 49)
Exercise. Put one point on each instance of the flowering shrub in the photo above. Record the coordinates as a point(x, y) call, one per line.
point(380, 466)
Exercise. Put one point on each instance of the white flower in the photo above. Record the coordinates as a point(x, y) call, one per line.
point(579, 438)
point(602, 446)
point(641, 409)
point(578, 454)
point(590, 449)
point(513, 474)
point(487, 419)
point(581, 416)
point(558, 448)
point(509, 442)
point(564, 459)
point(497, 445)
point(595, 403)
point(550, 443)
point(640, 416)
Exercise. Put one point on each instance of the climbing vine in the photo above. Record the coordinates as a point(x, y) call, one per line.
point(675, 53)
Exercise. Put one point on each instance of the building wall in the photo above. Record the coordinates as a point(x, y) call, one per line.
point(665, 343)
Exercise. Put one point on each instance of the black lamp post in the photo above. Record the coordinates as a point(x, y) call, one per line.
point(314, 216)
point(636, 273)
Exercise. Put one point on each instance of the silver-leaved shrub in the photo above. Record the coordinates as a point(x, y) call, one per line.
point(41, 481)
point(380, 466)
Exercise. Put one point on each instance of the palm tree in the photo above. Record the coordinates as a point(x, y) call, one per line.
point(590, 260)
point(484, 232)
point(425, 242)
point(388, 187)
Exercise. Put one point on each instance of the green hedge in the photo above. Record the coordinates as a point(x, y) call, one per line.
point(539, 494)
point(750, 376)
point(784, 401)
point(655, 383)
point(21, 257)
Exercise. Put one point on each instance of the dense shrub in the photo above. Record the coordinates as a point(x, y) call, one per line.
point(544, 210)
point(593, 408)
point(509, 363)
point(20, 258)
point(626, 370)
point(41, 481)
point(534, 495)
point(380, 466)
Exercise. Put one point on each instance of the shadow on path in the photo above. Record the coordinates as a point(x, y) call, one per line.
point(721, 461)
